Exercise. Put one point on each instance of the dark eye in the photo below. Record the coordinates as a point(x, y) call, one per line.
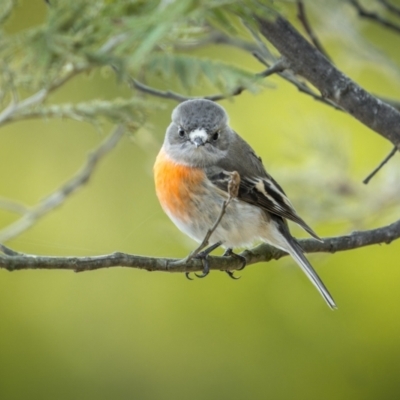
point(181, 132)
point(215, 136)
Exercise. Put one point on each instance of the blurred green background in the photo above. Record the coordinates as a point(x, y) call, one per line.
point(128, 334)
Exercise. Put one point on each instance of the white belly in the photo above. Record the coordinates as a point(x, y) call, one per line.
point(241, 225)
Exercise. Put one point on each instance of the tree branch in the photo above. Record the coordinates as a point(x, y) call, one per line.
point(134, 83)
point(308, 62)
point(259, 47)
point(13, 261)
point(58, 197)
point(362, 12)
point(379, 167)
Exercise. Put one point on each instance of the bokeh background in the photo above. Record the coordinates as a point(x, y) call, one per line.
point(128, 334)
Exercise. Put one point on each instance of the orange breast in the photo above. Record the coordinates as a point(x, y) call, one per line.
point(176, 184)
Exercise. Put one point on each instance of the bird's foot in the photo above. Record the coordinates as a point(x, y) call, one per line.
point(229, 253)
point(203, 256)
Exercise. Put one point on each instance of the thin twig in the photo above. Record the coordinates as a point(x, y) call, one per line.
point(233, 191)
point(206, 239)
point(373, 16)
point(379, 167)
point(9, 252)
point(302, 16)
point(260, 58)
point(59, 196)
point(279, 66)
point(158, 93)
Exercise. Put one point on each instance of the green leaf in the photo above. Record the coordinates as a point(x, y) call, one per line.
point(193, 71)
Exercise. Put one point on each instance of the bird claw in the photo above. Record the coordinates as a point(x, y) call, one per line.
point(187, 274)
point(231, 275)
point(230, 253)
point(243, 260)
point(203, 256)
point(202, 275)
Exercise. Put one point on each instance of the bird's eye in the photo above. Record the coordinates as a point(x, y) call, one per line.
point(181, 132)
point(215, 136)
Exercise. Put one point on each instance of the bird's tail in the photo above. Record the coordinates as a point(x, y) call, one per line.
point(296, 252)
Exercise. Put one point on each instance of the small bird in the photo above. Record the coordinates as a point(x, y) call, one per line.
point(192, 173)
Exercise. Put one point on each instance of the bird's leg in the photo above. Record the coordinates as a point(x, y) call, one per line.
point(203, 255)
point(229, 253)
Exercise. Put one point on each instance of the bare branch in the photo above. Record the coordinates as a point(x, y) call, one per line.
point(158, 93)
point(362, 12)
point(262, 253)
point(59, 196)
point(279, 66)
point(205, 243)
point(308, 62)
point(379, 167)
point(302, 16)
point(9, 252)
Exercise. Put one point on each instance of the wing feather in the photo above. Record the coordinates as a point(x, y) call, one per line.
point(263, 192)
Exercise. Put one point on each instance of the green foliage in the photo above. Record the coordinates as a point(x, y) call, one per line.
point(193, 71)
point(135, 38)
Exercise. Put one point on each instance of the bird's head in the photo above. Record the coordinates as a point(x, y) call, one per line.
point(199, 134)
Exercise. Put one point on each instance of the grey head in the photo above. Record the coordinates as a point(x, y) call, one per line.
point(199, 134)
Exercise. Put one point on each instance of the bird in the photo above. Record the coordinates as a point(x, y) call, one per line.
point(192, 173)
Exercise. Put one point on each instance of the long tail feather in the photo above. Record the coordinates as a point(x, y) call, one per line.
point(296, 252)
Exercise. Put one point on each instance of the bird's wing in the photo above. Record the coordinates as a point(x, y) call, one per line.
point(257, 187)
point(262, 192)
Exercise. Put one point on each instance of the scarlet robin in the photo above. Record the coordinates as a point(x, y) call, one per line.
point(192, 173)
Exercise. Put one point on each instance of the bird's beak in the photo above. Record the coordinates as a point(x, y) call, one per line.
point(198, 137)
point(198, 141)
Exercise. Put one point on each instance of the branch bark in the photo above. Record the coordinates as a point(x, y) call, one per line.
point(13, 261)
point(307, 61)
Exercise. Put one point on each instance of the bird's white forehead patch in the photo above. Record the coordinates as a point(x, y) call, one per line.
point(199, 132)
